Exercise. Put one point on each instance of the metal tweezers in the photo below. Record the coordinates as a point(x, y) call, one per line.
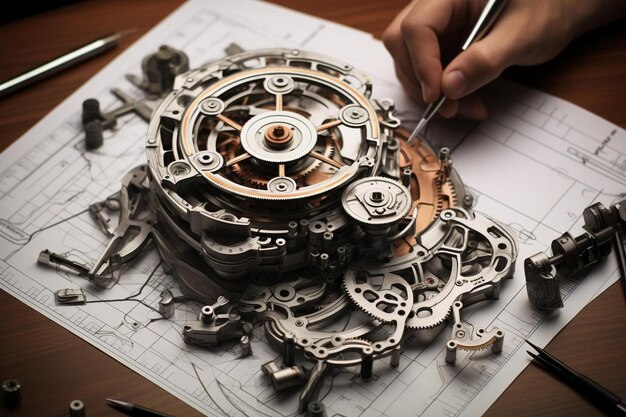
point(594, 392)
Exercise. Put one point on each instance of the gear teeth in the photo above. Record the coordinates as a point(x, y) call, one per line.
point(424, 324)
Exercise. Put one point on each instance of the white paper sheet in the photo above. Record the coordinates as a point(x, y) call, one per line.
point(535, 165)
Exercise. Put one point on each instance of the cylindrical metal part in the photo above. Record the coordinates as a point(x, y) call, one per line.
point(207, 314)
point(499, 343)
point(394, 361)
point(367, 363)
point(91, 111)
point(468, 201)
point(324, 261)
point(444, 154)
point(341, 255)
point(77, 408)
point(451, 352)
point(406, 177)
point(11, 392)
point(304, 226)
point(293, 229)
point(289, 343)
point(314, 256)
point(246, 348)
point(316, 409)
point(94, 138)
point(285, 378)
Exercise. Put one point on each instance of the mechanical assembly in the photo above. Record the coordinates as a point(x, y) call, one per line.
point(281, 195)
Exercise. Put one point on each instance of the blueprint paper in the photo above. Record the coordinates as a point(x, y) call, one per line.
point(535, 165)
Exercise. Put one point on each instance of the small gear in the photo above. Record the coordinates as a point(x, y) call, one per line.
point(376, 201)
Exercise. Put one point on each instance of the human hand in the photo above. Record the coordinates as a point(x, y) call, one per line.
point(427, 35)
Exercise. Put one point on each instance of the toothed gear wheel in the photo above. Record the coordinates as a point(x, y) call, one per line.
point(386, 297)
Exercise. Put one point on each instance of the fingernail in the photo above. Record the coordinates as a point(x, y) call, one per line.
point(426, 92)
point(456, 84)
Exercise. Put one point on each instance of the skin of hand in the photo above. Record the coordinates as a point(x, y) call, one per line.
point(425, 38)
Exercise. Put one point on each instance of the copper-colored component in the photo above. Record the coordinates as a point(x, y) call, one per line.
point(237, 159)
point(329, 161)
point(328, 125)
point(429, 195)
point(278, 136)
point(186, 140)
point(230, 122)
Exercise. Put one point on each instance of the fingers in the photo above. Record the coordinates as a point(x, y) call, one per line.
point(394, 42)
point(420, 30)
point(470, 107)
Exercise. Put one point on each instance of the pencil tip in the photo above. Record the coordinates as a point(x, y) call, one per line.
point(533, 345)
point(117, 403)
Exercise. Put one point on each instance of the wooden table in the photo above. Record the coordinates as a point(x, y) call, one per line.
point(56, 367)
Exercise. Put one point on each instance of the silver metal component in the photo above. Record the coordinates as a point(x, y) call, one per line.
point(212, 106)
point(289, 342)
point(573, 256)
point(77, 408)
point(284, 378)
point(367, 363)
point(11, 392)
point(246, 348)
point(216, 323)
point(166, 304)
point(128, 239)
point(376, 201)
point(70, 296)
point(462, 337)
point(316, 409)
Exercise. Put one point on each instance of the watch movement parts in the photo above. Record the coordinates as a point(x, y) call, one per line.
point(462, 337)
point(127, 240)
point(216, 323)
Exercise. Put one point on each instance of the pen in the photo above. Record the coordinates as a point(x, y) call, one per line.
point(135, 410)
point(487, 18)
point(586, 386)
point(60, 63)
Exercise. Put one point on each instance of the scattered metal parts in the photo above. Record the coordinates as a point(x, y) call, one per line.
point(11, 392)
point(70, 296)
point(216, 323)
point(284, 378)
point(316, 409)
point(576, 256)
point(159, 72)
point(462, 337)
point(160, 69)
point(77, 408)
point(131, 235)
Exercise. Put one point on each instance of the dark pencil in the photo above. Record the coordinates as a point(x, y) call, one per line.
point(135, 410)
point(587, 387)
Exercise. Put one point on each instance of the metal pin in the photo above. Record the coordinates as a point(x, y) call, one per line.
point(290, 349)
point(367, 363)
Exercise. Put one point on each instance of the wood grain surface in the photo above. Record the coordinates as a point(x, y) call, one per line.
point(56, 366)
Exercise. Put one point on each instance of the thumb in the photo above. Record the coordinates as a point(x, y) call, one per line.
point(480, 64)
